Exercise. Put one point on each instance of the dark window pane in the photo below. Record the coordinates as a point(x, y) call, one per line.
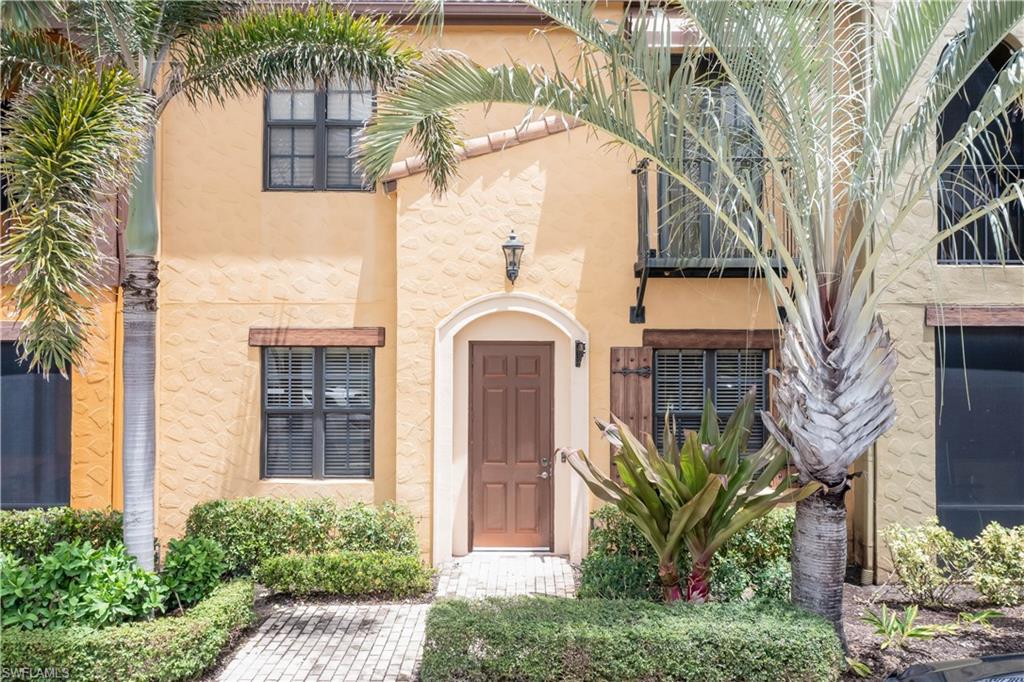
point(349, 101)
point(35, 435)
point(964, 187)
point(304, 142)
point(681, 382)
point(348, 445)
point(979, 434)
point(289, 445)
point(281, 141)
point(281, 172)
point(736, 373)
point(304, 171)
point(347, 376)
point(289, 378)
point(678, 391)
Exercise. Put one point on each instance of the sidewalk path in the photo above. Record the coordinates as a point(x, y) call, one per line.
point(382, 642)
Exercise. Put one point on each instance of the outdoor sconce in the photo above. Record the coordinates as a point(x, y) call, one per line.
point(513, 249)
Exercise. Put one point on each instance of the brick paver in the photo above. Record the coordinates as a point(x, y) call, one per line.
point(382, 642)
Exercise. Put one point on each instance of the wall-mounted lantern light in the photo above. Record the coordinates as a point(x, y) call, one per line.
point(513, 249)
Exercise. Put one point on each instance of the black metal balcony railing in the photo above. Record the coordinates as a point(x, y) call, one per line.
point(963, 189)
point(690, 238)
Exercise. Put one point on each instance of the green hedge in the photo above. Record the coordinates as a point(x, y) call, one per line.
point(541, 638)
point(252, 529)
point(350, 574)
point(164, 649)
point(34, 532)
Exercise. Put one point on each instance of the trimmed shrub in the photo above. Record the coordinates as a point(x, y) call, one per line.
point(929, 561)
point(350, 574)
point(387, 528)
point(166, 649)
point(252, 529)
point(542, 638)
point(77, 584)
point(192, 570)
point(33, 532)
point(999, 571)
point(621, 563)
point(754, 563)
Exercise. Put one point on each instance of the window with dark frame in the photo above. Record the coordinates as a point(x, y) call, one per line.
point(311, 134)
point(317, 412)
point(682, 377)
point(688, 229)
point(964, 186)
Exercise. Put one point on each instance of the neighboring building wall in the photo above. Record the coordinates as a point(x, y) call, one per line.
point(905, 457)
point(95, 434)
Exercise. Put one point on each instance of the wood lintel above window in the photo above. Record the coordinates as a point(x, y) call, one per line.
point(974, 315)
point(317, 337)
point(711, 338)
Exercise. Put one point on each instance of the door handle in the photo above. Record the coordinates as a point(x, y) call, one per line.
point(544, 474)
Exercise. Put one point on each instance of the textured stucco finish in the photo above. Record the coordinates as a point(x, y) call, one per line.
point(95, 450)
point(233, 257)
point(906, 455)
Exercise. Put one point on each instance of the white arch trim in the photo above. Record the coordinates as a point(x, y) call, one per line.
point(579, 409)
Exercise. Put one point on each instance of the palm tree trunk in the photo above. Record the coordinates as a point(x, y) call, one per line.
point(140, 298)
point(819, 556)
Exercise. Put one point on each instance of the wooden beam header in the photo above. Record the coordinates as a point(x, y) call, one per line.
point(974, 315)
point(707, 339)
point(337, 336)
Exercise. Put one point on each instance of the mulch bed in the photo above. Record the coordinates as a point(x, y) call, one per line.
point(1005, 636)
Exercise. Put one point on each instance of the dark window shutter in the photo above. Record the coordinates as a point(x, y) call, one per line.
point(348, 404)
point(736, 372)
point(631, 388)
point(679, 391)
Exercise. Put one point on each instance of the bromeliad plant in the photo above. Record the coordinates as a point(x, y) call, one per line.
point(695, 496)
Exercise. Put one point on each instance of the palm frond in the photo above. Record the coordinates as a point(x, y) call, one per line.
point(69, 143)
point(263, 49)
point(36, 55)
point(24, 16)
point(825, 90)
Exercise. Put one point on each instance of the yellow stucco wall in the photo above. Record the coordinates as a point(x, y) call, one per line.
point(95, 441)
point(234, 257)
point(905, 457)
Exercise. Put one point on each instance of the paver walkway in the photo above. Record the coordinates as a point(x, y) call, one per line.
point(383, 642)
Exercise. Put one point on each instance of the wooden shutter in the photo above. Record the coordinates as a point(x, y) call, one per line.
point(631, 387)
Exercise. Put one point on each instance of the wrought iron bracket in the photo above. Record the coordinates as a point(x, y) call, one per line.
point(581, 350)
point(639, 371)
point(637, 313)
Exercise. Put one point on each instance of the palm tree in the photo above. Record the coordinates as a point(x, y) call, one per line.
point(93, 83)
point(812, 98)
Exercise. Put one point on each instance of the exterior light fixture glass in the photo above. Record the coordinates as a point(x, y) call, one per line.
point(513, 249)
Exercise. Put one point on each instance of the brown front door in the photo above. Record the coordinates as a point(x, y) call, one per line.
point(510, 444)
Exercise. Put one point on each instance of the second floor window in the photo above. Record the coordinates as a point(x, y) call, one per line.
point(688, 228)
point(966, 185)
point(311, 133)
